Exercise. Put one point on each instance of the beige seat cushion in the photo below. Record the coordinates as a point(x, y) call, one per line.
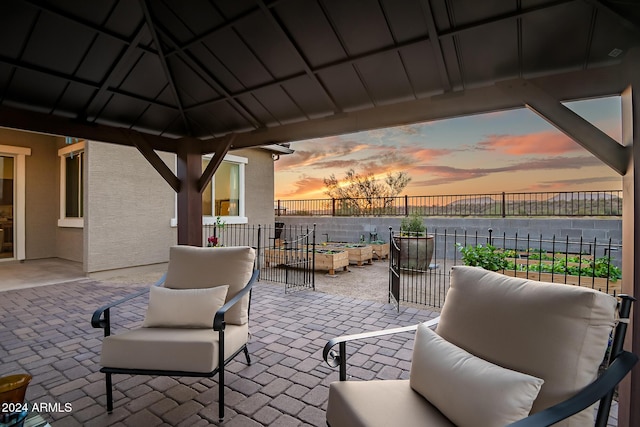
point(551, 331)
point(193, 267)
point(469, 391)
point(384, 403)
point(192, 350)
point(183, 308)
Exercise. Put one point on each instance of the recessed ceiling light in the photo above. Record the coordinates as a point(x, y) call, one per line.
point(615, 52)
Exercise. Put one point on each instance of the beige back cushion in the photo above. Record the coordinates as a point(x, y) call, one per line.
point(192, 267)
point(551, 331)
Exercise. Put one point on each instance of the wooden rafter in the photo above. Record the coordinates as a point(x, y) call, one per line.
point(218, 155)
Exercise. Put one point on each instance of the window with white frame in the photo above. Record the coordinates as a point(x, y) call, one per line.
point(71, 185)
point(224, 195)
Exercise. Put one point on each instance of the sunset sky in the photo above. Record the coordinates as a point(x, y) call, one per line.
point(508, 151)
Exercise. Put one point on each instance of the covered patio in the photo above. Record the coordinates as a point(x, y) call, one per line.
point(219, 76)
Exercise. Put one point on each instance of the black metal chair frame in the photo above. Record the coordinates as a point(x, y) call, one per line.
point(102, 319)
point(602, 389)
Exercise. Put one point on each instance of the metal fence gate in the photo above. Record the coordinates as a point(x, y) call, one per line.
point(284, 254)
point(394, 273)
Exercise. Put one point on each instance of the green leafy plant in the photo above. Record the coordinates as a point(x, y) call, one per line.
point(485, 256)
point(412, 225)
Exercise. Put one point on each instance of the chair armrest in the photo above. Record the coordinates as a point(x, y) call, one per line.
point(334, 359)
point(589, 395)
point(97, 321)
point(218, 319)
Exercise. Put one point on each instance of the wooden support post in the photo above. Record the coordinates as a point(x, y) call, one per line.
point(189, 196)
point(629, 391)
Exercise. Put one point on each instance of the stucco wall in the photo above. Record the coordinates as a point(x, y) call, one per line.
point(128, 211)
point(41, 191)
point(258, 185)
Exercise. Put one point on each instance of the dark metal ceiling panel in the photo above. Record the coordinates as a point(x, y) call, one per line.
point(307, 95)
point(74, 99)
point(422, 71)
point(16, 21)
point(156, 117)
point(35, 89)
point(221, 117)
point(233, 8)
point(124, 19)
point(144, 78)
point(91, 12)
point(563, 48)
point(193, 89)
point(278, 103)
point(385, 77)
point(308, 25)
point(186, 19)
point(608, 35)
point(122, 109)
point(217, 69)
point(345, 87)
point(57, 45)
point(256, 108)
point(490, 52)
point(100, 59)
point(405, 18)
point(353, 22)
point(233, 52)
point(271, 49)
point(469, 11)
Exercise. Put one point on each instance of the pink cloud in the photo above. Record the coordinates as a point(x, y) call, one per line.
point(546, 143)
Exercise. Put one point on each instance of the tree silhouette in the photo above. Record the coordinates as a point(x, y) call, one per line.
point(360, 194)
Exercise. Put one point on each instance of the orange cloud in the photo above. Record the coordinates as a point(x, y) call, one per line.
point(306, 187)
point(546, 143)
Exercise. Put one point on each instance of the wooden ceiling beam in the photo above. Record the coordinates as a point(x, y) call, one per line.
point(15, 118)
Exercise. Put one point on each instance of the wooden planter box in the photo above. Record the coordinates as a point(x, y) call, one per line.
point(328, 259)
point(358, 253)
point(380, 250)
point(598, 283)
point(275, 257)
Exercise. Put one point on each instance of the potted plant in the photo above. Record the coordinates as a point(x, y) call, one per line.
point(416, 248)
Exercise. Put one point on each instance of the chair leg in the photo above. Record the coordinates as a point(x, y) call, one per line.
point(109, 393)
point(221, 392)
point(246, 354)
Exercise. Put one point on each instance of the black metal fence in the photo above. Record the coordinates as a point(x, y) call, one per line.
point(581, 262)
point(575, 203)
point(284, 254)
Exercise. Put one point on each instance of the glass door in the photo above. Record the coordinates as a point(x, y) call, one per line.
point(7, 185)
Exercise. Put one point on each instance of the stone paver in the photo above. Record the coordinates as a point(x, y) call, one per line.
point(46, 331)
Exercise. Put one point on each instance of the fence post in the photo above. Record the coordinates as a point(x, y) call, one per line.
point(333, 207)
point(504, 206)
point(279, 207)
point(406, 205)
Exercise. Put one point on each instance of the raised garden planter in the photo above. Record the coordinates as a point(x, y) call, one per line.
point(331, 260)
point(597, 283)
point(275, 257)
point(359, 253)
point(380, 250)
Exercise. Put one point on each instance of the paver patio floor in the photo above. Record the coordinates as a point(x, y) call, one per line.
point(46, 332)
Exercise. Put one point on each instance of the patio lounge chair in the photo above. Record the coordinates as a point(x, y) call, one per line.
point(506, 351)
point(196, 322)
